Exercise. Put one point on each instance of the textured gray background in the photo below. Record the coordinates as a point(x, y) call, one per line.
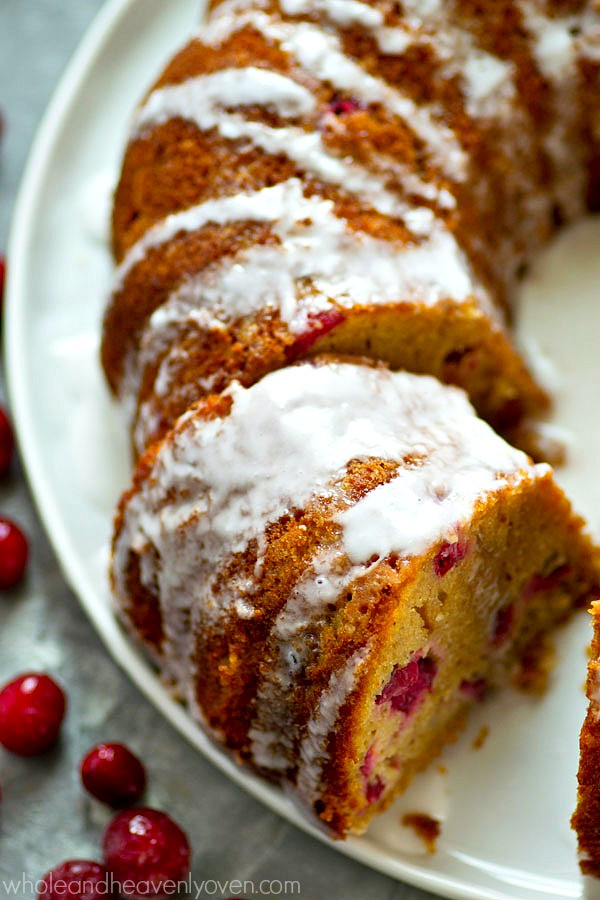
point(45, 818)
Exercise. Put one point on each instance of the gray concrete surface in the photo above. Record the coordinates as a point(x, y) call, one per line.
point(45, 818)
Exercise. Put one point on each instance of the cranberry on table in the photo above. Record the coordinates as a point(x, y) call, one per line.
point(78, 879)
point(32, 708)
point(113, 774)
point(145, 848)
point(7, 442)
point(14, 552)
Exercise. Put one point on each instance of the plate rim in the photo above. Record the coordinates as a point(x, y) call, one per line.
point(131, 661)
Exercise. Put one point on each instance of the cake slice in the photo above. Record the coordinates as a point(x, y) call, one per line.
point(586, 819)
point(332, 565)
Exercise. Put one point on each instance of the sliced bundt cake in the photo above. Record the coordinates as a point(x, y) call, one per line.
point(331, 565)
point(350, 177)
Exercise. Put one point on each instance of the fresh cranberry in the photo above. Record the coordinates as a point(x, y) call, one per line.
point(32, 708)
point(7, 443)
point(408, 685)
point(113, 774)
point(146, 848)
point(340, 107)
point(475, 688)
point(318, 325)
point(375, 789)
point(505, 619)
point(448, 557)
point(14, 551)
point(77, 879)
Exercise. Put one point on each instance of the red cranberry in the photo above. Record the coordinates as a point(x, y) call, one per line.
point(113, 774)
point(340, 107)
point(375, 789)
point(408, 685)
point(14, 551)
point(32, 708)
point(77, 879)
point(317, 326)
point(448, 557)
point(146, 848)
point(2, 269)
point(7, 443)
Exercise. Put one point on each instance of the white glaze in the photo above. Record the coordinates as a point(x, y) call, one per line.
point(489, 85)
point(401, 513)
point(553, 42)
point(588, 42)
point(255, 86)
point(350, 268)
point(423, 10)
point(394, 41)
point(266, 205)
point(313, 749)
point(326, 580)
point(345, 13)
point(554, 50)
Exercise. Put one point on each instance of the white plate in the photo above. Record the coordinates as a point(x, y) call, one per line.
point(506, 807)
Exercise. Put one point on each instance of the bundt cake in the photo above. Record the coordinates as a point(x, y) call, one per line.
point(329, 557)
point(349, 177)
point(331, 565)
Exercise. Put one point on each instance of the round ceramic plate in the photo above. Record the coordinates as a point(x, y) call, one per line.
point(505, 806)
